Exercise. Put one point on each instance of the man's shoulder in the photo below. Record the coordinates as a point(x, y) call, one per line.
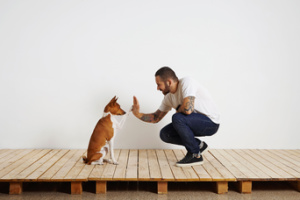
point(187, 80)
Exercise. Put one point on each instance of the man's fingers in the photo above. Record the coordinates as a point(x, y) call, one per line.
point(135, 101)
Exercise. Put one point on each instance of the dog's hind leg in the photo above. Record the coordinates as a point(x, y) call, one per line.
point(97, 158)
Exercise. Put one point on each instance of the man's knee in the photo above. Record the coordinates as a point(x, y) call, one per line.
point(178, 118)
point(164, 136)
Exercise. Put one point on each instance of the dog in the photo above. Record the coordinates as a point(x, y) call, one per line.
point(102, 139)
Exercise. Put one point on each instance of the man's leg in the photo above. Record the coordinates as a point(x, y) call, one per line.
point(169, 135)
point(188, 127)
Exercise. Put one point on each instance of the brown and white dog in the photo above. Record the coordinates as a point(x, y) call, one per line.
point(102, 139)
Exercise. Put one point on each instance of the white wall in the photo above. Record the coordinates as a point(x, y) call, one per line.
point(62, 61)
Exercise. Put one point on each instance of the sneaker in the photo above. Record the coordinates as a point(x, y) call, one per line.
point(203, 147)
point(190, 159)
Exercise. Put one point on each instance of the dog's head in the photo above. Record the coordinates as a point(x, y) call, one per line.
point(114, 108)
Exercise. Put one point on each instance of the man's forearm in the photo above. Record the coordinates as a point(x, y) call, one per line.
point(152, 117)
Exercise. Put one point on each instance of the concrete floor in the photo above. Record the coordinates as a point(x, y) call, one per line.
point(147, 190)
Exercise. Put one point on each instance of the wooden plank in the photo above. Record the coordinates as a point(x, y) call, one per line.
point(222, 159)
point(202, 173)
point(96, 171)
point(220, 168)
point(120, 172)
point(200, 170)
point(2, 151)
point(22, 176)
point(11, 155)
point(244, 166)
point(155, 173)
point(14, 161)
point(74, 172)
point(165, 169)
point(177, 171)
point(252, 164)
point(286, 158)
point(143, 170)
point(259, 163)
point(281, 163)
point(86, 171)
point(211, 170)
point(189, 172)
point(246, 174)
point(265, 159)
point(110, 168)
point(57, 166)
point(131, 173)
point(70, 163)
point(45, 166)
point(295, 153)
point(5, 153)
point(25, 162)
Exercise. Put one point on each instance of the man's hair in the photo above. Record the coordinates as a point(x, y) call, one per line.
point(165, 73)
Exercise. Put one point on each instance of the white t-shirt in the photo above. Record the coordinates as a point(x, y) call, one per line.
point(203, 101)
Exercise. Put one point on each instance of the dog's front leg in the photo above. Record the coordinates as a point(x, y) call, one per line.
point(111, 149)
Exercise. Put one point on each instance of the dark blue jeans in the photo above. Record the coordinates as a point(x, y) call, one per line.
point(184, 129)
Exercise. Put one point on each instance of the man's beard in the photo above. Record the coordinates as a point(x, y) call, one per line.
point(167, 89)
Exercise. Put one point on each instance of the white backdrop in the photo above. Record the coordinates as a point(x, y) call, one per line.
point(61, 61)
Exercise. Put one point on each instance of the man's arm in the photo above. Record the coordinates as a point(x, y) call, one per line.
point(187, 107)
point(151, 118)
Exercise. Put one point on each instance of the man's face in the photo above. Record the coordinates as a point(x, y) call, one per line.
point(162, 86)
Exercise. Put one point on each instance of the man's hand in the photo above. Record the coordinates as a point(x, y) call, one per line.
point(151, 118)
point(136, 107)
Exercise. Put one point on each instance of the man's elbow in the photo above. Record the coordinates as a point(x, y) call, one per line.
point(188, 112)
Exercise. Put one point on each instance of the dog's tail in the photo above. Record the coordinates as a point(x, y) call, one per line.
point(85, 160)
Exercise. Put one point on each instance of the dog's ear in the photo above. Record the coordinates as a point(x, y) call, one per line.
point(114, 100)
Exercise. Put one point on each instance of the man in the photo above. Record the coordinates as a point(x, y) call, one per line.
point(196, 114)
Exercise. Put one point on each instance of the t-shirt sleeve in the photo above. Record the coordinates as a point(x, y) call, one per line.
point(165, 105)
point(189, 88)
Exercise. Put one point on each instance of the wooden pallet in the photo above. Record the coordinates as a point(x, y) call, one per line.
point(220, 166)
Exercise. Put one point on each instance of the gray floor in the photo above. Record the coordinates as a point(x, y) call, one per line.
point(147, 190)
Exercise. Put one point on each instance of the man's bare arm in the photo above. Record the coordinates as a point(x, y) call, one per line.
point(153, 117)
point(187, 107)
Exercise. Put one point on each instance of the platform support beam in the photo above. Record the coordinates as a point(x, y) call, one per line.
point(15, 187)
point(76, 187)
point(222, 187)
point(245, 187)
point(101, 187)
point(162, 187)
point(296, 185)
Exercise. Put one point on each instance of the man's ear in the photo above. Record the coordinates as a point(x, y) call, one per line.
point(169, 82)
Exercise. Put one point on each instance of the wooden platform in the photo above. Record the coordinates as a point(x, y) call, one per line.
point(220, 167)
